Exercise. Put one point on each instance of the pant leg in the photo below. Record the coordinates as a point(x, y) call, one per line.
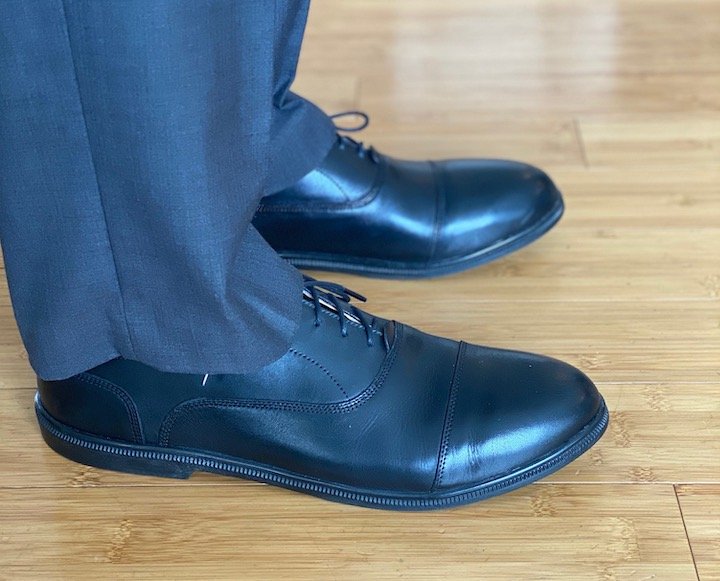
point(291, 132)
point(137, 139)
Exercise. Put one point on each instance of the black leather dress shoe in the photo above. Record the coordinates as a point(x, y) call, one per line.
point(366, 213)
point(360, 410)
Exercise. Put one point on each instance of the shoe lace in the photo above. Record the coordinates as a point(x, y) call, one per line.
point(336, 298)
point(345, 142)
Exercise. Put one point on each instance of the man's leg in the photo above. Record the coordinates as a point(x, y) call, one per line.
point(137, 139)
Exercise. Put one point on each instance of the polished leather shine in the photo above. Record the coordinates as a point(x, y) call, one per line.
point(368, 213)
point(386, 416)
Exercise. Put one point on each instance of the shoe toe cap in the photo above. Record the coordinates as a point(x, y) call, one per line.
point(489, 203)
point(510, 411)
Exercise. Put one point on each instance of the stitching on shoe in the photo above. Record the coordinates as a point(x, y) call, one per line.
point(333, 181)
point(315, 408)
point(363, 200)
point(127, 401)
point(321, 367)
point(449, 416)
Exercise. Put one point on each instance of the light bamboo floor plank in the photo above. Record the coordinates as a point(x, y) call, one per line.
point(625, 235)
point(701, 512)
point(514, 38)
point(660, 432)
point(615, 341)
point(572, 263)
point(637, 140)
point(547, 142)
point(219, 532)
point(667, 197)
point(388, 98)
point(618, 341)
point(540, 57)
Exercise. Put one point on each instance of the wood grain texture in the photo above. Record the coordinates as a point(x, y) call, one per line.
point(182, 532)
point(656, 140)
point(620, 102)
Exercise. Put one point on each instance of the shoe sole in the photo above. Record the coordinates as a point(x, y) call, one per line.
point(400, 270)
point(182, 463)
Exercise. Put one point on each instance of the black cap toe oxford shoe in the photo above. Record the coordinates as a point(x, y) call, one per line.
point(366, 213)
point(360, 410)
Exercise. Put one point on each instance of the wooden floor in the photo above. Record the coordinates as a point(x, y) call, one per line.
point(620, 102)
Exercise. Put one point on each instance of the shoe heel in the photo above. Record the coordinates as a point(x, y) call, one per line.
point(108, 454)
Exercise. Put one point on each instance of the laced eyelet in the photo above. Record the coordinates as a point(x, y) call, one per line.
point(344, 141)
point(336, 298)
point(362, 151)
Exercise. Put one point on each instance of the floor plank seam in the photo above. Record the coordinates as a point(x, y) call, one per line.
point(580, 141)
point(251, 484)
point(687, 537)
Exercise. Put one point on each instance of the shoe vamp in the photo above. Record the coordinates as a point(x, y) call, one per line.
point(395, 221)
point(387, 436)
point(342, 178)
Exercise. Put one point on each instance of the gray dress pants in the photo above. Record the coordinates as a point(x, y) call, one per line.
point(136, 140)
